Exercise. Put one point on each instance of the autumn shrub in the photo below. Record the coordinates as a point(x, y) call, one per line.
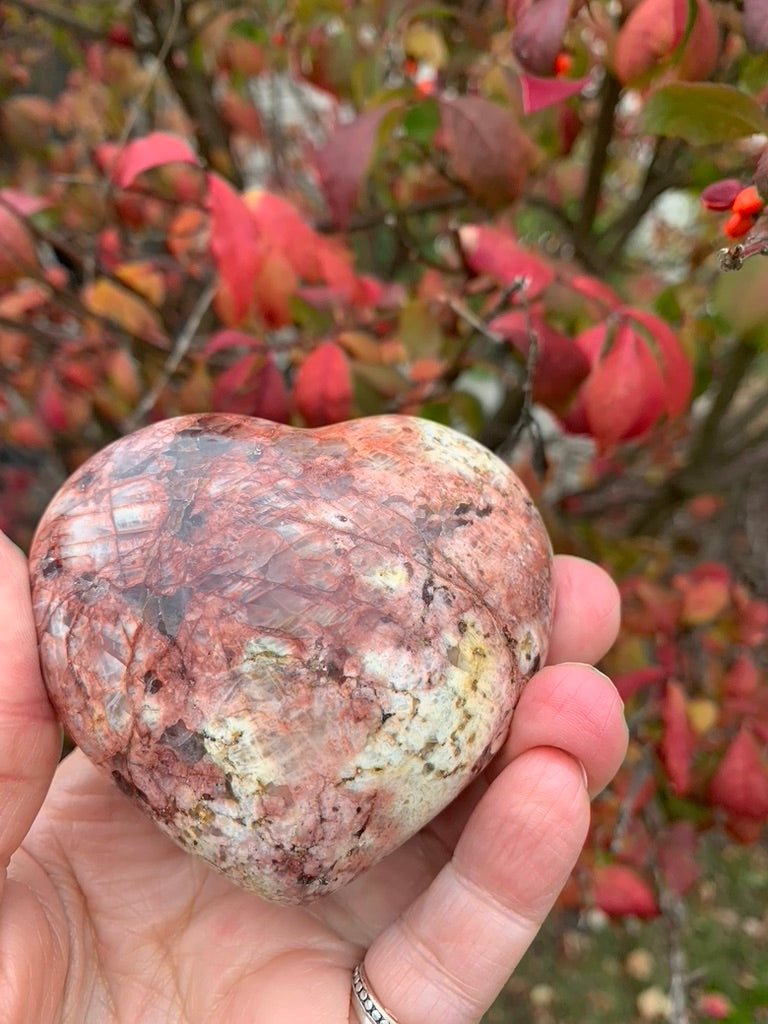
point(518, 219)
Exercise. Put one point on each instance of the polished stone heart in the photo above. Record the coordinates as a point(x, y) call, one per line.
point(292, 648)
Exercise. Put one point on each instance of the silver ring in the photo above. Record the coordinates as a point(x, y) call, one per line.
point(364, 1003)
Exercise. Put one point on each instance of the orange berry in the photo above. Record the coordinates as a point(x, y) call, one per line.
point(563, 64)
point(747, 202)
point(738, 225)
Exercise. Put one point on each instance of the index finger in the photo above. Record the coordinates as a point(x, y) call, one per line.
point(30, 737)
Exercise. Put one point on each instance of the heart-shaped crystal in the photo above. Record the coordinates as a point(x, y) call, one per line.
point(291, 647)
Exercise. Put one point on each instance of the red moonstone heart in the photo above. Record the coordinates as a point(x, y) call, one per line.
point(291, 647)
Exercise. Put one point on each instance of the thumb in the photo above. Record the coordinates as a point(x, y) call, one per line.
point(30, 737)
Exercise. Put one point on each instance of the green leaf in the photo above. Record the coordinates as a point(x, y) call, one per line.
point(702, 113)
point(422, 122)
point(740, 298)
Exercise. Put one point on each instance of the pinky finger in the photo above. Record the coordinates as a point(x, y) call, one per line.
point(452, 951)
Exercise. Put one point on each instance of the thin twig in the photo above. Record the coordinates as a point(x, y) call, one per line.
point(180, 349)
point(375, 218)
point(141, 100)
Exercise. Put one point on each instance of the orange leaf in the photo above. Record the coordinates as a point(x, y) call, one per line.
point(740, 784)
point(677, 740)
point(323, 389)
point(143, 277)
point(106, 299)
point(620, 891)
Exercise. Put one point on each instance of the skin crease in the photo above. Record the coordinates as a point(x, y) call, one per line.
point(102, 919)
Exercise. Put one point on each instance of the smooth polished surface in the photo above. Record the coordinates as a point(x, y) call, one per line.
point(291, 647)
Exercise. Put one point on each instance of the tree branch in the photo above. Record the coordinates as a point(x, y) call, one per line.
point(195, 91)
point(661, 174)
point(181, 347)
point(590, 198)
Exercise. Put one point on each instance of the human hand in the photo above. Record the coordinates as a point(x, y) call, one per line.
point(103, 919)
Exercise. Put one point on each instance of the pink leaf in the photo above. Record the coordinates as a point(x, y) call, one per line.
point(22, 203)
point(145, 154)
point(323, 389)
point(540, 93)
point(343, 161)
point(537, 38)
point(235, 247)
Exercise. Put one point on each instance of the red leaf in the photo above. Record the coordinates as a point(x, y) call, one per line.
point(620, 891)
point(740, 784)
point(540, 93)
point(235, 247)
point(537, 38)
point(343, 161)
point(624, 394)
point(676, 369)
point(495, 252)
point(742, 678)
point(253, 386)
point(650, 36)
point(489, 152)
point(756, 25)
point(677, 740)
point(18, 254)
point(630, 683)
point(323, 389)
point(714, 1006)
point(226, 340)
point(676, 853)
point(721, 194)
point(560, 365)
point(154, 150)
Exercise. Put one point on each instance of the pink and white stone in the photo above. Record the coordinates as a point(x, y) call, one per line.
point(292, 648)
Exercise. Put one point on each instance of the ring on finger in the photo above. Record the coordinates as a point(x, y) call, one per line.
point(367, 1007)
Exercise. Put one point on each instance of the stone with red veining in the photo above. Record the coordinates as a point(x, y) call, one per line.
point(292, 648)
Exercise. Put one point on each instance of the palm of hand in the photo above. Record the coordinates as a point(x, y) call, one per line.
point(166, 939)
point(103, 919)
